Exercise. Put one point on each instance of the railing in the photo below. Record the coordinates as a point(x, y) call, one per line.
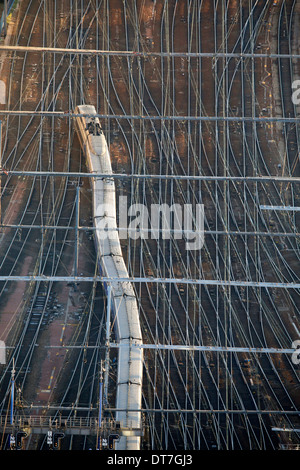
point(55, 422)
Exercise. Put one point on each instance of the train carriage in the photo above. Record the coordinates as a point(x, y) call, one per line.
point(111, 264)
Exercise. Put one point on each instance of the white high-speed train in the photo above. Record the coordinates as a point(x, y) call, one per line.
point(111, 264)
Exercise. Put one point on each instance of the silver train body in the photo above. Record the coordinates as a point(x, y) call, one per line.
point(111, 264)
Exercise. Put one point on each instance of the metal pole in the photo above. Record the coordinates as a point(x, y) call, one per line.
point(12, 399)
point(251, 179)
point(98, 52)
point(106, 369)
point(0, 168)
point(185, 347)
point(5, 17)
point(76, 231)
point(12, 394)
point(100, 400)
point(181, 119)
point(286, 429)
point(280, 208)
point(212, 282)
point(100, 408)
point(86, 228)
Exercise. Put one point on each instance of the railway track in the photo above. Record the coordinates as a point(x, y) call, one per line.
point(240, 330)
point(48, 203)
point(162, 86)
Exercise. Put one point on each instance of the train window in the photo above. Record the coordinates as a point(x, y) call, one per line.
point(94, 128)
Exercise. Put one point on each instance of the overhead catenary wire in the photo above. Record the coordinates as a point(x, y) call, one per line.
point(108, 53)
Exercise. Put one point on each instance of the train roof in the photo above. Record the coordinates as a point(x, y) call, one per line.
point(86, 109)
